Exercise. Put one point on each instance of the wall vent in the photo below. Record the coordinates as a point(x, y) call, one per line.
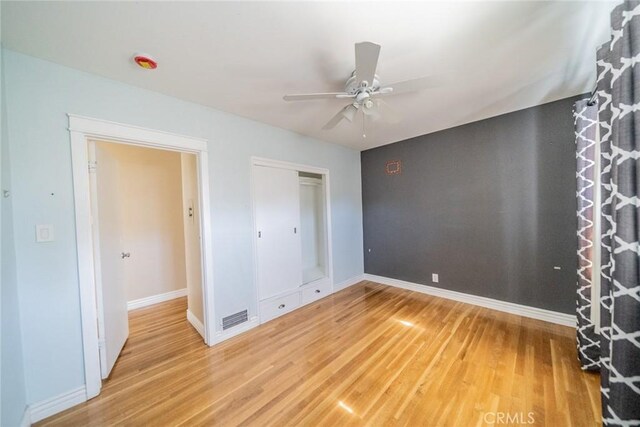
point(234, 319)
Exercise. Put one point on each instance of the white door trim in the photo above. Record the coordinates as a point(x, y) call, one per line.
point(82, 130)
point(261, 161)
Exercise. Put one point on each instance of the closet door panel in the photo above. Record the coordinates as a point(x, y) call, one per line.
point(277, 210)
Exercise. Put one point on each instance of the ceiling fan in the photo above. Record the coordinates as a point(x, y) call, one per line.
point(364, 91)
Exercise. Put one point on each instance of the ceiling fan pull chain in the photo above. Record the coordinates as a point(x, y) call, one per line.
point(364, 121)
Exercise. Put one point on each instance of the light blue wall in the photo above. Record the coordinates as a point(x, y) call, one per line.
point(39, 94)
point(13, 394)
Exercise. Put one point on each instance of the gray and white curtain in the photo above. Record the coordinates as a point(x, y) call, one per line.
point(618, 65)
point(586, 127)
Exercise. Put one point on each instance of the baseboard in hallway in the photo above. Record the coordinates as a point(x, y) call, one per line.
point(155, 299)
point(195, 322)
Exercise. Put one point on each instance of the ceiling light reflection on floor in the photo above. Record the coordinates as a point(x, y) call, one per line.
point(405, 323)
point(345, 407)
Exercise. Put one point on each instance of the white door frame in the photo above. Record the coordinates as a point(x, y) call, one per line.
point(82, 130)
point(261, 161)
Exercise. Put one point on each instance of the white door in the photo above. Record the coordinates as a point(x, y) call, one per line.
point(277, 210)
point(113, 321)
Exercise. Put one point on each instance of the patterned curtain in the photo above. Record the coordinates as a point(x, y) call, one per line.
point(618, 63)
point(586, 122)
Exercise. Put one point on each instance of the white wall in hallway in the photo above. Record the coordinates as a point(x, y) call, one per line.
point(149, 189)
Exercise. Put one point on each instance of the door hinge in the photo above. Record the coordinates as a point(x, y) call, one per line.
point(92, 166)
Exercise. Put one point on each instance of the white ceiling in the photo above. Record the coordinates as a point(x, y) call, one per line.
point(242, 57)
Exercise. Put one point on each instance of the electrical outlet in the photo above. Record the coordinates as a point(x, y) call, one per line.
point(434, 278)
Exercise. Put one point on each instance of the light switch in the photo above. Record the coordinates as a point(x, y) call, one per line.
point(44, 233)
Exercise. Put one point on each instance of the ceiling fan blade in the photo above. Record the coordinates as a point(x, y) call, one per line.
point(308, 96)
point(388, 113)
point(367, 54)
point(410, 85)
point(347, 112)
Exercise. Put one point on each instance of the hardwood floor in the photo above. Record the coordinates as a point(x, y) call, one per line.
point(369, 355)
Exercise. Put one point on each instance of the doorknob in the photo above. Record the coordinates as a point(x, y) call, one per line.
point(124, 255)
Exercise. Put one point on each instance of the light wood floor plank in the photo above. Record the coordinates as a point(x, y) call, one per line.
point(369, 355)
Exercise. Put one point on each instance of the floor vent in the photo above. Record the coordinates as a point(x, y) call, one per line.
point(234, 319)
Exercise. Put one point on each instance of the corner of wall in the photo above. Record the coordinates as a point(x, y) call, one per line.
point(13, 389)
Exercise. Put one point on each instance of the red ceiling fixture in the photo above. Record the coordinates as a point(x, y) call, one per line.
point(145, 61)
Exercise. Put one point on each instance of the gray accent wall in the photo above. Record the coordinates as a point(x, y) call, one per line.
point(489, 206)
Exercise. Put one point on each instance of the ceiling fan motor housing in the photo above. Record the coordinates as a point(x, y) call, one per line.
point(353, 86)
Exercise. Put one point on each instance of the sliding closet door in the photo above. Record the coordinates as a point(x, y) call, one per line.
point(277, 210)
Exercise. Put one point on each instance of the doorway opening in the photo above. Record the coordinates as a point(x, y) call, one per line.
point(144, 205)
point(84, 134)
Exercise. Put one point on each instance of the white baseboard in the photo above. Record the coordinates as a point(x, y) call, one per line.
point(236, 330)
point(26, 418)
point(40, 410)
point(507, 307)
point(195, 322)
point(349, 282)
point(155, 299)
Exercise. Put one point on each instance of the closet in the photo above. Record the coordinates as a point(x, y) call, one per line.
point(291, 221)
